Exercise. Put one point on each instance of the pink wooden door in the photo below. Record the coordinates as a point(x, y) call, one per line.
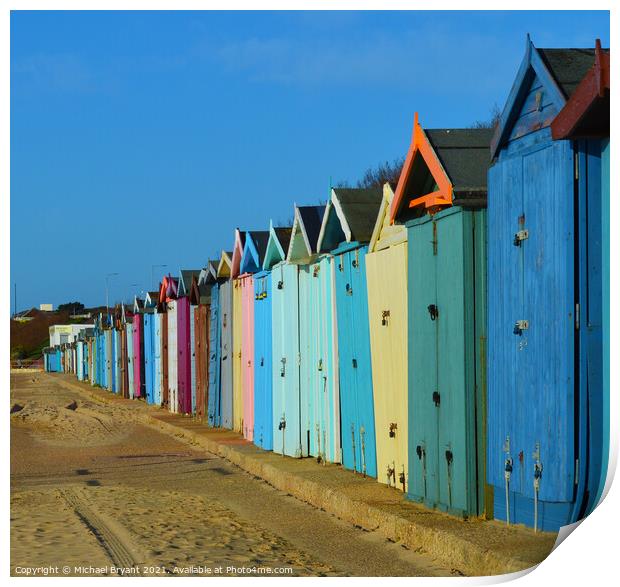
point(137, 363)
point(185, 359)
point(247, 354)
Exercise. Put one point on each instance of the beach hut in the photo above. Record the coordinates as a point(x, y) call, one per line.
point(185, 337)
point(149, 330)
point(441, 196)
point(80, 360)
point(149, 353)
point(287, 413)
point(130, 356)
point(116, 343)
point(138, 348)
point(544, 353)
point(237, 330)
point(200, 302)
point(185, 327)
point(386, 280)
point(264, 371)
point(347, 228)
point(251, 262)
point(318, 344)
point(124, 366)
point(162, 307)
point(214, 346)
point(109, 357)
point(226, 326)
point(168, 296)
point(585, 121)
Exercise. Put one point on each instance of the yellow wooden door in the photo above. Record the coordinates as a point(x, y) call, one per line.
point(386, 275)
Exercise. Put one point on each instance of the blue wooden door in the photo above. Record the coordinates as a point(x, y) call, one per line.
point(214, 360)
point(225, 299)
point(286, 401)
point(263, 411)
point(355, 371)
point(531, 371)
point(149, 357)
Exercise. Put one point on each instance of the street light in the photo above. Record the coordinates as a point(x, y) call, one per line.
point(107, 300)
point(152, 279)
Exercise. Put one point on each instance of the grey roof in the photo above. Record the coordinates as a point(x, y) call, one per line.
point(360, 207)
point(464, 154)
point(567, 66)
point(260, 238)
point(187, 275)
point(312, 217)
point(284, 236)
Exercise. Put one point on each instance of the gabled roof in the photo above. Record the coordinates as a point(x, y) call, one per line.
point(199, 293)
point(558, 71)
point(151, 298)
point(212, 268)
point(138, 304)
point(305, 233)
point(567, 66)
point(350, 216)
point(185, 281)
point(442, 166)
point(168, 289)
point(385, 233)
point(237, 252)
point(225, 265)
point(277, 245)
point(254, 251)
point(586, 114)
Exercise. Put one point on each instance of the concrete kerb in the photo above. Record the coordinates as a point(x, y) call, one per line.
point(449, 548)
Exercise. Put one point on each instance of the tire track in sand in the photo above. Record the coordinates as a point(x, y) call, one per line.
point(112, 537)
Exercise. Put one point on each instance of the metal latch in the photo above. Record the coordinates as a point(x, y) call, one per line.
point(433, 311)
point(349, 290)
point(520, 236)
point(384, 317)
point(520, 326)
point(280, 284)
point(393, 427)
point(354, 361)
point(436, 398)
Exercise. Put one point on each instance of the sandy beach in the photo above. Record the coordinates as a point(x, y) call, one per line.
point(95, 492)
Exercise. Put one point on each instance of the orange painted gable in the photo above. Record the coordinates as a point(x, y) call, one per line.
point(420, 147)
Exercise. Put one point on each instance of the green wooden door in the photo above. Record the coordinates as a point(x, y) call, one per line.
point(446, 376)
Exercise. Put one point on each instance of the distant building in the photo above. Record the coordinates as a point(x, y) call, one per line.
point(61, 333)
point(46, 307)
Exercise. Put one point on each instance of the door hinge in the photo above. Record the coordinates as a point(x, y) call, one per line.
point(577, 316)
point(576, 471)
point(576, 165)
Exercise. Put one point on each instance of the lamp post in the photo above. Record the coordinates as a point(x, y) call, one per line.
point(107, 287)
point(152, 278)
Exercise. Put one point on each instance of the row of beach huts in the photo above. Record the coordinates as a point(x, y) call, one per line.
point(447, 336)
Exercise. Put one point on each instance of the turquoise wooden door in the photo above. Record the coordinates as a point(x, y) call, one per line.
point(287, 410)
point(354, 363)
point(446, 329)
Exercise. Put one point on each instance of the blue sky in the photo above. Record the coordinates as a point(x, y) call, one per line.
point(141, 138)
